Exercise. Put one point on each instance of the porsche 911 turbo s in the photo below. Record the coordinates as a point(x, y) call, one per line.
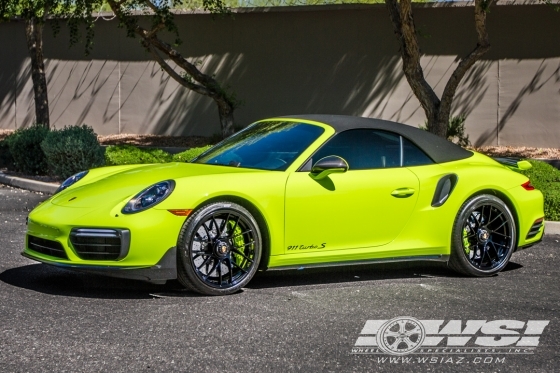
point(291, 192)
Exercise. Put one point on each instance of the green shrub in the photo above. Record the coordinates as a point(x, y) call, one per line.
point(546, 178)
point(25, 147)
point(455, 130)
point(6, 159)
point(190, 154)
point(128, 154)
point(71, 150)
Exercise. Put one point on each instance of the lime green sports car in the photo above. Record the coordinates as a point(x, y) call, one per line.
point(291, 192)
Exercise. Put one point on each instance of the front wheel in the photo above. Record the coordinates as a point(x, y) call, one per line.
point(219, 249)
point(484, 236)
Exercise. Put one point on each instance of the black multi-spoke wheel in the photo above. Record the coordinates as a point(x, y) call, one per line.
point(484, 236)
point(219, 249)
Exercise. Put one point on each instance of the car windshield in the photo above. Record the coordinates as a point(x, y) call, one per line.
point(271, 145)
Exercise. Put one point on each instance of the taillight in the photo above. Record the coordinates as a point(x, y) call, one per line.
point(528, 186)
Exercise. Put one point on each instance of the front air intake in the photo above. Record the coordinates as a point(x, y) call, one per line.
point(47, 247)
point(100, 244)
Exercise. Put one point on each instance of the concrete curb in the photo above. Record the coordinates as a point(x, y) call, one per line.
point(551, 227)
point(29, 184)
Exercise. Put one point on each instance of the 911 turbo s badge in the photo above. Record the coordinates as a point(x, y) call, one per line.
point(307, 247)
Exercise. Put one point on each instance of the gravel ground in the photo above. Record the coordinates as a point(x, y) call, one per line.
point(156, 140)
point(520, 151)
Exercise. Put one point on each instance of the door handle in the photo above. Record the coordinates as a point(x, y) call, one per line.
point(402, 192)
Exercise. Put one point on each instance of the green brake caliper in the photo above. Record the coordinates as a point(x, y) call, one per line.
point(466, 243)
point(238, 242)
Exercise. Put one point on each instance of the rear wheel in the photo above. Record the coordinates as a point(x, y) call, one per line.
point(219, 249)
point(484, 236)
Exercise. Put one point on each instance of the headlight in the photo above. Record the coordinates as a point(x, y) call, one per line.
point(149, 197)
point(71, 181)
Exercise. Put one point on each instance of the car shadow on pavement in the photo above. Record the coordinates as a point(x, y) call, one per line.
point(55, 281)
point(511, 266)
point(357, 273)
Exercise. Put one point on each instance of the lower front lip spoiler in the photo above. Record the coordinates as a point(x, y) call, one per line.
point(165, 269)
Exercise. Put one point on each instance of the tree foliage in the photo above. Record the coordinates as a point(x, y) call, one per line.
point(76, 12)
point(35, 13)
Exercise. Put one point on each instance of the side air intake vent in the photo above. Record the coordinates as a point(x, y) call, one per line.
point(444, 188)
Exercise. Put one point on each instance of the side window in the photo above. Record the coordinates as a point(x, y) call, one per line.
point(413, 155)
point(363, 149)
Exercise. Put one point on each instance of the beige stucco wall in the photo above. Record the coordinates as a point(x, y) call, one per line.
point(332, 59)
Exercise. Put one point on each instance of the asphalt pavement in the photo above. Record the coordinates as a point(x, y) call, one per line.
point(53, 320)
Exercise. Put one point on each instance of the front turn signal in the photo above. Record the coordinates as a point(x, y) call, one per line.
point(180, 212)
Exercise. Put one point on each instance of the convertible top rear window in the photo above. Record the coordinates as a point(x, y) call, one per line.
point(438, 149)
point(365, 149)
point(271, 145)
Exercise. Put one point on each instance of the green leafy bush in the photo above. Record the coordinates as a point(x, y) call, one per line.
point(546, 178)
point(25, 148)
point(190, 154)
point(128, 154)
point(71, 150)
point(6, 159)
point(455, 130)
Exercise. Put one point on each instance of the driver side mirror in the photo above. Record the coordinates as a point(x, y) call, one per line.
point(328, 165)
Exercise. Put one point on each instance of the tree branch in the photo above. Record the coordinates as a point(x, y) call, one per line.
point(181, 80)
point(211, 87)
point(403, 24)
point(181, 61)
point(482, 46)
point(207, 86)
point(151, 5)
point(152, 33)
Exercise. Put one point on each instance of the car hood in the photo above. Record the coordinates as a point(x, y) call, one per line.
point(125, 184)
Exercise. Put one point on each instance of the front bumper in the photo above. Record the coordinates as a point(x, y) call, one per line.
point(104, 241)
point(165, 269)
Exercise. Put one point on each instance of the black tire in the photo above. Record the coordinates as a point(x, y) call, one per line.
point(219, 249)
point(484, 237)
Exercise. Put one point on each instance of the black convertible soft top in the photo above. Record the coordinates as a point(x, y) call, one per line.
point(437, 148)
